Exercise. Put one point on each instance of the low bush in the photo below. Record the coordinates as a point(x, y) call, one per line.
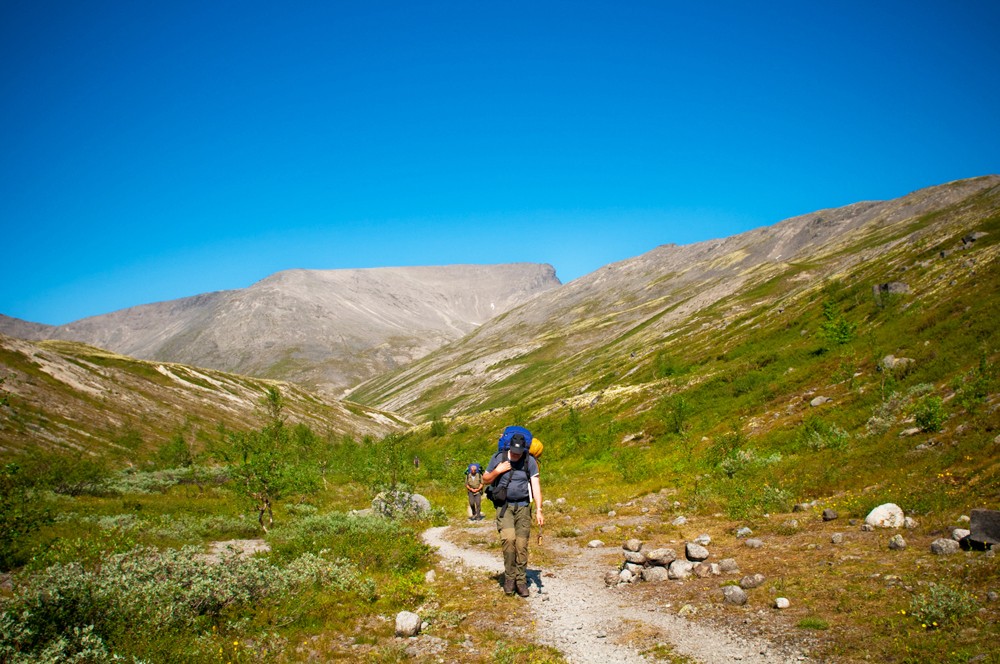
point(941, 605)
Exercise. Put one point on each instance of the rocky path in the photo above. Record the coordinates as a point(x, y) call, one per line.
point(575, 612)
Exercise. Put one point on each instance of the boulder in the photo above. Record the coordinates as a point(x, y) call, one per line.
point(635, 557)
point(661, 557)
point(888, 515)
point(655, 573)
point(752, 581)
point(944, 547)
point(985, 526)
point(633, 545)
point(703, 570)
point(680, 569)
point(612, 577)
point(633, 567)
point(695, 552)
point(734, 595)
point(625, 576)
point(394, 504)
point(407, 624)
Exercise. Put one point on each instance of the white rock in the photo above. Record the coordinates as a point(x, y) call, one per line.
point(888, 515)
point(679, 521)
point(595, 544)
point(680, 569)
point(407, 624)
point(782, 603)
point(944, 547)
point(430, 577)
point(959, 533)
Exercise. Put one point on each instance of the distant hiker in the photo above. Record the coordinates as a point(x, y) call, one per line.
point(474, 486)
point(518, 485)
point(416, 462)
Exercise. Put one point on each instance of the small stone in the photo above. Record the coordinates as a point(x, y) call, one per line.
point(703, 540)
point(611, 577)
point(830, 515)
point(633, 567)
point(743, 532)
point(430, 576)
point(782, 603)
point(633, 545)
point(612, 514)
point(655, 573)
point(625, 576)
point(680, 569)
point(964, 518)
point(679, 521)
point(819, 401)
point(734, 595)
point(897, 543)
point(958, 533)
point(837, 538)
point(867, 527)
point(944, 547)
point(993, 596)
point(728, 565)
point(635, 557)
point(687, 610)
point(909, 523)
point(595, 544)
point(752, 581)
point(754, 543)
point(703, 570)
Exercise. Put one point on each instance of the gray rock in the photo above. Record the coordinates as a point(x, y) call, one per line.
point(985, 526)
point(625, 576)
point(612, 577)
point(867, 527)
point(407, 624)
point(395, 504)
point(837, 538)
point(782, 603)
point(752, 581)
point(754, 543)
point(595, 544)
point(728, 565)
point(661, 557)
point(680, 569)
point(944, 547)
point(888, 515)
point(819, 401)
point(633, 567)
point(743, 531)
point(636, 557)
point(829, 514)
point(734, 595)
point(696, 552)
point(633, 545)
point(897, 543)
point(790, 524)
point(703, 570)
point(993, 596)
point(958, 533)
point(703, 540)
point(910, 523)
point(679, 521)
point(655, 573)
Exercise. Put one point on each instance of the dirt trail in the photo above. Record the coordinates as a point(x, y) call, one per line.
point(575, 612)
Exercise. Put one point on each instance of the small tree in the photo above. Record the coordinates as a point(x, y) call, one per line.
point(268, 463)
point(835, 328)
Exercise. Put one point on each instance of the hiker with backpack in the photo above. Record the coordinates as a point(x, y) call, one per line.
point(512, 484)
point(474, 486)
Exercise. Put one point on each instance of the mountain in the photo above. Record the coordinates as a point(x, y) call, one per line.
point(66, 395)
point(324, 329)
point(609, 328)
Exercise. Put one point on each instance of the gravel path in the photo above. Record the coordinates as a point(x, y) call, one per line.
point(576, 613)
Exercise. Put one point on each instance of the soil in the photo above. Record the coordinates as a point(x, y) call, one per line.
point(590, 623)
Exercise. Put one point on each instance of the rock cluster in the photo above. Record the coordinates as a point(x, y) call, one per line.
point(661, 564)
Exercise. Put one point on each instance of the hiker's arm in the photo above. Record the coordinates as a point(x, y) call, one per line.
point(501, 468)
point(536, 490)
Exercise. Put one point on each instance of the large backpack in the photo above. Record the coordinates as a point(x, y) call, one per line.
point(497, 490)
point(533, 443)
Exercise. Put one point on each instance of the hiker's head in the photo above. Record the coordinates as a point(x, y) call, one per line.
point(518, 446)
point(474, 468)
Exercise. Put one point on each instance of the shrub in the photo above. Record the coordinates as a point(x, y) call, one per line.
point(929, 414)
point(941, 605)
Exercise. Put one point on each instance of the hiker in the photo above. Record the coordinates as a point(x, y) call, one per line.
point(474, 486)
point(514, 514)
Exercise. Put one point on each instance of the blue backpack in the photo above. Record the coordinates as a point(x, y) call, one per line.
point(508, 433)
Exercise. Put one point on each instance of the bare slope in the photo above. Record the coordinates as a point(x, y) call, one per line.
point(326, 329)
point(593, 330)
point(58, 394)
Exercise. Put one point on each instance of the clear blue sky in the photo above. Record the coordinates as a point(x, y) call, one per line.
point(155, 150)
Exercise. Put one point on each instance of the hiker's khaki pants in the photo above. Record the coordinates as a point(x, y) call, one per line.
point(515, 531)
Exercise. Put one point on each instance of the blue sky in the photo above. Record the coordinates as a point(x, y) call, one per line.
point(150, 151)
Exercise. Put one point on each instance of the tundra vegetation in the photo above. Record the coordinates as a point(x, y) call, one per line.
point(736, 422)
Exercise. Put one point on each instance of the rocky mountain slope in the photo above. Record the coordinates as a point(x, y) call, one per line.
point(66, 395)
point(325, 329)
point(603, 328)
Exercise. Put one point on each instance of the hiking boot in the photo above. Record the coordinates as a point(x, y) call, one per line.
point(508, 586)
point(522, 588)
